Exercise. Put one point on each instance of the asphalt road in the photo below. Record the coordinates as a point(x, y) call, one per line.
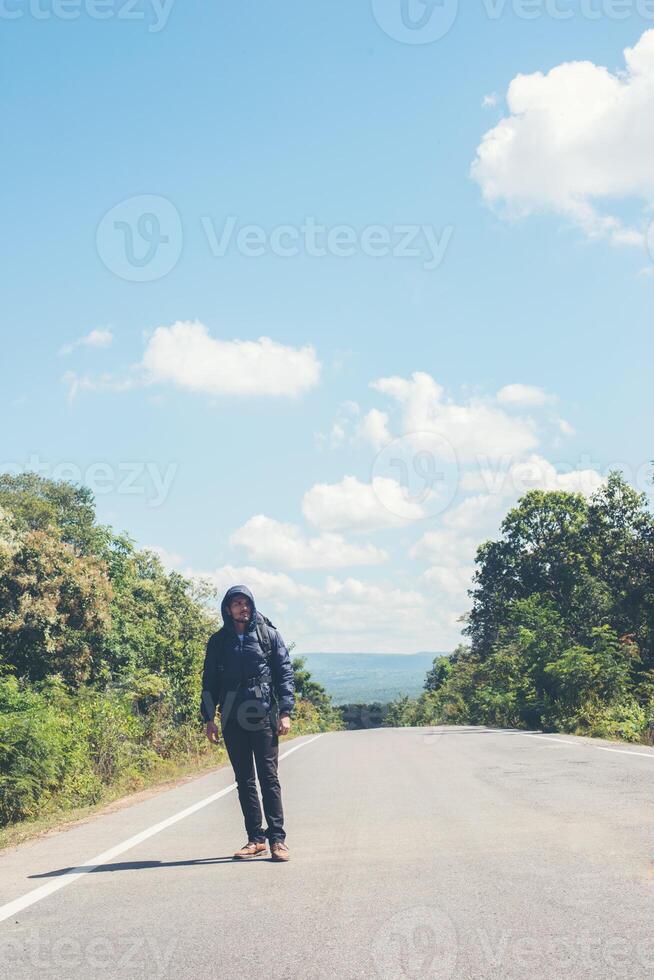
point(418, 853)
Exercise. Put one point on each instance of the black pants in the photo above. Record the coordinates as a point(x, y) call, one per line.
point(249, 741)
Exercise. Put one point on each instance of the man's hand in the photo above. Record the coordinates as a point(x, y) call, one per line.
point(212, 732)
point(284, 724)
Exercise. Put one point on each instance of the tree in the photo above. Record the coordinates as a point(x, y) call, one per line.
point(438, 674)
point(54, 607)
point(38, 504)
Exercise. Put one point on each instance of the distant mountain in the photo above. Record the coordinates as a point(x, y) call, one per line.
point(367, 677)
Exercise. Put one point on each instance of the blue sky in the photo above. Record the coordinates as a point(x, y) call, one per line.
point(511, 348)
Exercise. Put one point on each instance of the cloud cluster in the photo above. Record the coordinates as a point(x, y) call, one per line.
point(355, 506)
point(477, 427)
point(284, 545)
point(186, 355)
point(98, 338)
point(578, 140)
point(340, 613)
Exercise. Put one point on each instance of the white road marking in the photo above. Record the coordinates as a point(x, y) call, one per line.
point(37, 894)
point(499, 731)
point(600, 748)
point(547, 738)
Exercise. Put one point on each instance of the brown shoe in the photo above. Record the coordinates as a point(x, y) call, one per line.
point(279, 851)
point(252, 849)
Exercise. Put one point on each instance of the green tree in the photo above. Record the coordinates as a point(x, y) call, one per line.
point(438, 673)
point(54, 607)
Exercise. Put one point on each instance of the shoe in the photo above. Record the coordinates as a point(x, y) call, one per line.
point(279, 851)
point(252, 849)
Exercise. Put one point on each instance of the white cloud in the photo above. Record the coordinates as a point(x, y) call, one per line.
point(353, 615)
point(373, 429)
point(451, 549)
point(185, 354)
point(169, 559)
point(342, 615)
point(577, 140)
point(270, 542)
point(273, 588)
point(340, 432)
point(452, 581)
point(447, 546)
point(355, 506)
point(350, 427)
point(511, 479)
point(104, 382)
point(490, 101)
point(101, 337)
point(477, 427)
point(565, 428)
point(523, 395)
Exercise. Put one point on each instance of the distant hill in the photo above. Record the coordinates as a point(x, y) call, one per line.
point(366, 677)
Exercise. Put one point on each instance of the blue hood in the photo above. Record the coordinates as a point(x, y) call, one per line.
point(229, 595)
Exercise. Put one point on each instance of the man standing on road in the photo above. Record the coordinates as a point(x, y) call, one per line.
point(246, 669)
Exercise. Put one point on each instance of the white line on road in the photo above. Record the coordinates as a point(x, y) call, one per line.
point(601, 748)
point(547, 738)
point(68, 877)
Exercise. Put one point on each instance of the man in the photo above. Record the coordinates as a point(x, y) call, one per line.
point(246, 667)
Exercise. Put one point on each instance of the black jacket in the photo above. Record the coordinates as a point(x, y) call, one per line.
point(227, 668)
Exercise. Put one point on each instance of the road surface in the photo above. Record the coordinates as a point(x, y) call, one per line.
point(420, 853)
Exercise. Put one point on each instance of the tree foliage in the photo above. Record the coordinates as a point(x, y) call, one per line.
point(561, 627)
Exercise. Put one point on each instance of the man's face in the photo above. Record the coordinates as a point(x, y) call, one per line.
point(240, 609)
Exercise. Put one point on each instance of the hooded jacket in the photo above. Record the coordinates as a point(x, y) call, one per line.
point(228, 668)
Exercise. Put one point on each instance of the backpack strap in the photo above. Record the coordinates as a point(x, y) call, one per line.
point(264, 626)
point(265, 634)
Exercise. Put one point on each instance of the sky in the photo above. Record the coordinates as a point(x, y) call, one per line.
point(310, 294)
